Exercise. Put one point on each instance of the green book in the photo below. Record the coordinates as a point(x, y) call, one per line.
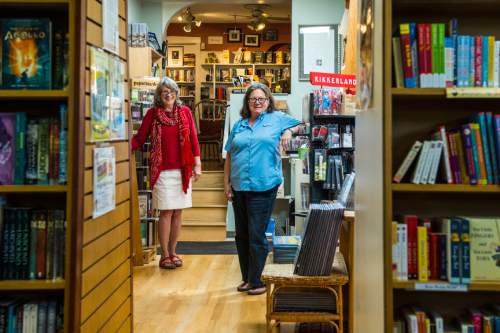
point(20, 163)
point(43, 152)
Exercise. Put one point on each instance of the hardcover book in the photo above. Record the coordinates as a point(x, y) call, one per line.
point(7, 147)
point(26, 53)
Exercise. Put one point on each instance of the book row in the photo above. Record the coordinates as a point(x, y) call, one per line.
point(418, 320)
point(249, 57)
point(454, 249)
point(469, 154)
point(181, 75)
point(146, 205)
point(426, 56)
point(32, 244)
point(34, 149)
point(33, 54)
point(148, 233)
point(43, 316)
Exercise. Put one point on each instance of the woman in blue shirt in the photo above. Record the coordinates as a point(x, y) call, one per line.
point(252, 175)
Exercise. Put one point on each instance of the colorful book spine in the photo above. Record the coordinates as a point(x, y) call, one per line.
point(442, 255)
point(63, 143)
point(435, 54)
point(411, 222)
point(455, 251)
point(492, 145)
point(406, 52)
point(471, 158)
point(478, 61)
point(477, 148)
point(462, 159)
point(485, 57)
point(20, 148)
point(422, 254)
point(481, 120)
point(465, 250)
point(491, 61)
point(441, 64)
point(471, 60)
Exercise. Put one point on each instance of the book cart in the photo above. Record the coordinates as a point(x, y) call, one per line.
point(410, 114)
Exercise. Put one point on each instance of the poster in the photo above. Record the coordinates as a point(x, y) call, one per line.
point(364, 90)
point(104, 181)
point(110, 25)
point(106, 97)
point(99, 87)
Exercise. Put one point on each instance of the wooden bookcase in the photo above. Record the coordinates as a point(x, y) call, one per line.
point(97, 285)
point(410, 114)
point(45, 103)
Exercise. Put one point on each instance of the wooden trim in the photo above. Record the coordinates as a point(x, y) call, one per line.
point(34, 94)
point(387, 130)
point(32, 284)
point(80, 37)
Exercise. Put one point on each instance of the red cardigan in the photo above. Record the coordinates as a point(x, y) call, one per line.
point(170, 135)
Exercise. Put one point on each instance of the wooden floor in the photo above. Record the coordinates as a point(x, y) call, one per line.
point(200, 297)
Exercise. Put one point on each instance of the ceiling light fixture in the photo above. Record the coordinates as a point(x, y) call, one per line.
point(257, 24)
point(190, 20)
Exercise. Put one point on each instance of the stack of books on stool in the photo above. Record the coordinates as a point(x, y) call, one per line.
point(304, 300)
point(285, 249)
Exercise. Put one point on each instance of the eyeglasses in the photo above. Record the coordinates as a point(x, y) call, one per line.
point(259, 100)
point(168, 93)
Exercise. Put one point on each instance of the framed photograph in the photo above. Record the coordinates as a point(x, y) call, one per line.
point(175, 56)
point(270, 35)
point(319, 50)
point(217, 40)
point(251, 40)
point(234, 35)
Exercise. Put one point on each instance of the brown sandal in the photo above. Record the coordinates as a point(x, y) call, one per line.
point(167, 263)
point(176, 260)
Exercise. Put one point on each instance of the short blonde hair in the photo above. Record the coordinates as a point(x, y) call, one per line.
point(166, 82)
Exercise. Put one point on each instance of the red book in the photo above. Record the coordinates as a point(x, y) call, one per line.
point(428, 48)
point(427, 225)
point(411, 222)
point(422, 60)
point(478, 82)
point(404, 32)
point(434, 257)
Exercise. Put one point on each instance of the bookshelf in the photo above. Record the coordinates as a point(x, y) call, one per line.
point(62, 15)
point(144, 59)
point(411, 114)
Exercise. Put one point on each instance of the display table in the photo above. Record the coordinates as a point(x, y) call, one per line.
point(278, 276)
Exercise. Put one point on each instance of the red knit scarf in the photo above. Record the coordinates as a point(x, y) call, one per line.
point(178, 118)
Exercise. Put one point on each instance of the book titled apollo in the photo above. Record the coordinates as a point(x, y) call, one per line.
point(26, 53)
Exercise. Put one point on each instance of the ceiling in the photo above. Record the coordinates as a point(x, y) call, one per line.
point(210, 11)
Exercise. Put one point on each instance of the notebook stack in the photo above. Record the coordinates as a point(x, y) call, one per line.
point(285, 249)
point(320, 240)
point(304, 300)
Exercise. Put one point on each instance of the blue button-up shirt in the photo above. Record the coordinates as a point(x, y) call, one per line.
point(254, 150)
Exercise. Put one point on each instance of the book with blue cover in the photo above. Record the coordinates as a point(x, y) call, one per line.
point(26, 53)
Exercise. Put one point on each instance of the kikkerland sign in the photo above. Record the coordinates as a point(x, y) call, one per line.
point(332, 80)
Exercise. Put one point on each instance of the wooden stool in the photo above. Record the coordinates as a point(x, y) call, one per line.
point(278, 276)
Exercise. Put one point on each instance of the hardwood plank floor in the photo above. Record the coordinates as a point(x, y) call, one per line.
point(199, 297)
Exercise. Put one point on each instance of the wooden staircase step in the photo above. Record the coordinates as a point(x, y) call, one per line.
point(204, 214)
point(203, 233)
point(209, 197)
point(210, 179)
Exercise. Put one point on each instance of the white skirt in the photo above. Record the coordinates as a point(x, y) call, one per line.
point(168, 193)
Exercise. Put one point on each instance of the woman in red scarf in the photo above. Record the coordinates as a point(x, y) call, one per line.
point(174, 152)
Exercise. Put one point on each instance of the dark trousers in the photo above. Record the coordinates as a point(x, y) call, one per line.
point(252, 211)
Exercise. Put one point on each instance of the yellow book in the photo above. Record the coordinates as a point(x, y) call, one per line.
point(423, 265)
point(484, 249)
point(491, 61)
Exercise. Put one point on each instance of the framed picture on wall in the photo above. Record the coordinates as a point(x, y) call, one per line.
point(270, 35)
point(234, 35)
point(319, 50)
point(251, 40)
point(175, 56)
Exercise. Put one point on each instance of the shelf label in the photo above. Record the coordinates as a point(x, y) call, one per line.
point(436, 286)
point(473, 92)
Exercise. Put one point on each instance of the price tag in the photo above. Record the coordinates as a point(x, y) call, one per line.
point(436, 286)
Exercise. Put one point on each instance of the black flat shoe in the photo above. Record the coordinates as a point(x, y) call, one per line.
point(245, 286)
point(257, 290)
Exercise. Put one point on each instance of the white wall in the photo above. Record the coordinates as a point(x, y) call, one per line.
point(134, 10)
point(369, 200)
point(309, 12)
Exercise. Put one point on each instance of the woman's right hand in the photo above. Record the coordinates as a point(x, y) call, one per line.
point(228, 191)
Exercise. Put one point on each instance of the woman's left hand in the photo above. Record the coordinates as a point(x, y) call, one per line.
point(286, 137)
point(197, 172)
